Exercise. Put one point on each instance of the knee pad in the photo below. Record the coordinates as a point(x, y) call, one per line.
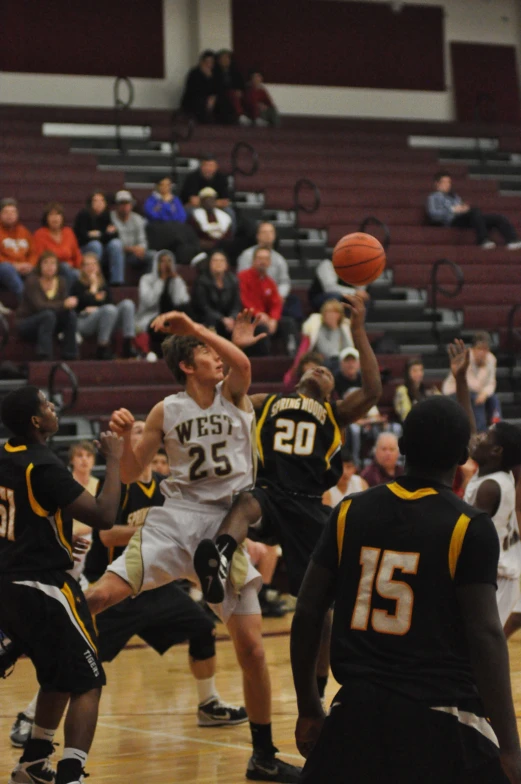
point(203, 647)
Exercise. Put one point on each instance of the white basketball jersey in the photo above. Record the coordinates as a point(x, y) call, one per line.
point(210, 450)
point(354, 486)
point(505, 521)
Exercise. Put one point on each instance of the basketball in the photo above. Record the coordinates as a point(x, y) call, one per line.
point(359, 258)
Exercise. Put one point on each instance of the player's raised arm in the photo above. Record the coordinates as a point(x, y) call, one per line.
point(459, 362)
point(136, 459)
point(358, 403)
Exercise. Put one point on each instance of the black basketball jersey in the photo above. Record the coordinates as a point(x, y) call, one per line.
point(35, 487)
point(398, 552)
point(298, 444)
point(136, 499)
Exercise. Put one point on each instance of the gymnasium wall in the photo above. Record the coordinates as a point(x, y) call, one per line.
point(191, 25)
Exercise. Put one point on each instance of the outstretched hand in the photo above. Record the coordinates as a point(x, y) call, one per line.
point(357, 310)
point(459, 358)
point(243, 334)
point(174, 323)
point(121, 421)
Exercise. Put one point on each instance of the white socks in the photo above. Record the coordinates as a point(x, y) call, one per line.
point(75, 754)
point(30, 711)
point(39, 733)
point(206, 689)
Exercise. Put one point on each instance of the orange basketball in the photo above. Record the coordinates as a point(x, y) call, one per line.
point(359, 258)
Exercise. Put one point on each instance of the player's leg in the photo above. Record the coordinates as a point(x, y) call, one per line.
point(513, 624)
point(110, 589)
point(212, 558)
point(246, 633)
point(507, 596)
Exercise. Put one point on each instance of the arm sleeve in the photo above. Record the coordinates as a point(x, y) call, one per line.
point(326, 551)
point(244, 289)
point(76, 257)
point(180, 212)
point(283, 279)
point(141, 233)
point(479, 556)
point(151, 208)
point(54, 487)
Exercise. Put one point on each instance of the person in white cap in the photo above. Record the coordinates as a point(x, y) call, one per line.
point(212, 225)
point(131, 229)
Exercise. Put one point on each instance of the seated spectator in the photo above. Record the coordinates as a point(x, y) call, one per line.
point(259, 292)
point(167, 226)
point(327, 285)
point(259, 103)
point(131, 230)
point(208, 176)
point(160, 290)
point(385, 467)
point(17, 255)
point(215, 297)
point(163, 204)
point(481, 378)
point(199, 95)
point(53, 235)
point(413, 390)
point(98, 315)
point(45, 310)
point(349, 482)
point(348, 376)
point(279, 271)
point(212, 225)
point(446, 208)
point(229, 86)
point(160, 463)
point(97, 234)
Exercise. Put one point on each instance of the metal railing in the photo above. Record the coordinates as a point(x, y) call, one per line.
point(484, 106)
point(513, 337)
point(182, 131)
point(371, 220)
point(300, 187)
point(241, 154)
point(437, 288)
point(120, 105)
point(56, 395)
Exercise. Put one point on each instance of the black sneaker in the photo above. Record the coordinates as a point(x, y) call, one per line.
point(214, 713)
point(21, 731)
point(266, 767)
point(70, 771)
point(212, 570)
point(38, 771)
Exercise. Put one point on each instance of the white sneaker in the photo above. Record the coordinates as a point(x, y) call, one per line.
point(243, 120)
point(488, 245)
point(260, 123)
point(151, 357)
point(514, 245)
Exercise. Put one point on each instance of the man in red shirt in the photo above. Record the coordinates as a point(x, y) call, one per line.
point(260, 293)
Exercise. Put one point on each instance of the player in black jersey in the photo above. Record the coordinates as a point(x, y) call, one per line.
point(43, 610)
point(417, 643)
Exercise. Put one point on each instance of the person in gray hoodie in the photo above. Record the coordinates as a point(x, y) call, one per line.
point(160, 290)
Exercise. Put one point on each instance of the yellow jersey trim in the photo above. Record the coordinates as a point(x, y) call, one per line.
point(9, 448)
point(148, 491)
point(341, 526)
point(66, 591)
point(125, 500)
point(456, 542)
point(35, 506)
point(408, 495)
point(337, 436)
point(260, 423)
point(59, 527)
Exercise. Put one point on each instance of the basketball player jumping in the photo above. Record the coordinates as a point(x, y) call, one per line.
point(206, 431)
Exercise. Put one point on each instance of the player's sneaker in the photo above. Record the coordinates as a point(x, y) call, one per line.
point(211, 568)
point(214, 713)
point(38, 771)
point(266, 767)
point(21, 730)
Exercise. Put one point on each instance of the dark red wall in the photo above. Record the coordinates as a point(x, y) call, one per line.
point(341, 44)
point(87, 37)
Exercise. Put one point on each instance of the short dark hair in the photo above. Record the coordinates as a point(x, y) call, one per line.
point(481, 337)
point(53, 206)
point(206, 53)
point(18, 407)
point(440, 174)
point(177, 349)
point(82, 446)
point(509, 438)
point(436, 434)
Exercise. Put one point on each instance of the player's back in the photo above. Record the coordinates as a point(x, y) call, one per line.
point(404, 548)
point(297, 440)
point(210, 451)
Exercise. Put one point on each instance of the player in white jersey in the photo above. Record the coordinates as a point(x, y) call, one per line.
point(206, 431)
point(493, 489)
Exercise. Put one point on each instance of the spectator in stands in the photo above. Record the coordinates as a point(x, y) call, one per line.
point(384, 467)
point(160, 463)
point(53, 235)
point(348, 376)
point(259, 292)
point(258, 102)
point(327, 285)
point(413, 389)
point(229, 85)
point(167, 226)
point(199, 95)
point(279, 271)
point(349, 482)
point(131, 230)
point(446, 208)
point(163, 204)
point(208, 176)
point(98, 315)
point(481, 379)
point(97, 234)
point(46, 310)
point(307, 361)
point(212, 225)
point(160, 291)
point(17, 255)
point(215, 297)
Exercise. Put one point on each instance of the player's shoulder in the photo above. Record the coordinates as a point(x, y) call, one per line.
point(459, 506)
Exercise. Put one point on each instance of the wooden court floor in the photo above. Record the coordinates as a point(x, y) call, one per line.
point(147, 725)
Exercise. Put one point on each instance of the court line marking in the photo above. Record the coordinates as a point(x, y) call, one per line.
point(187, 738)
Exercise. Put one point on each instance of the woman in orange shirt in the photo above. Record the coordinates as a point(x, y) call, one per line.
point(59, 239)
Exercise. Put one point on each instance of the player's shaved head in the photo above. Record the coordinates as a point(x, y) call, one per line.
point(436, 434)
point(18, 408)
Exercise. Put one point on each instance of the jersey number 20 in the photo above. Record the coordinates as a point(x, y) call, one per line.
point(7, 513)
point(294, 439)
point(387, 587)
